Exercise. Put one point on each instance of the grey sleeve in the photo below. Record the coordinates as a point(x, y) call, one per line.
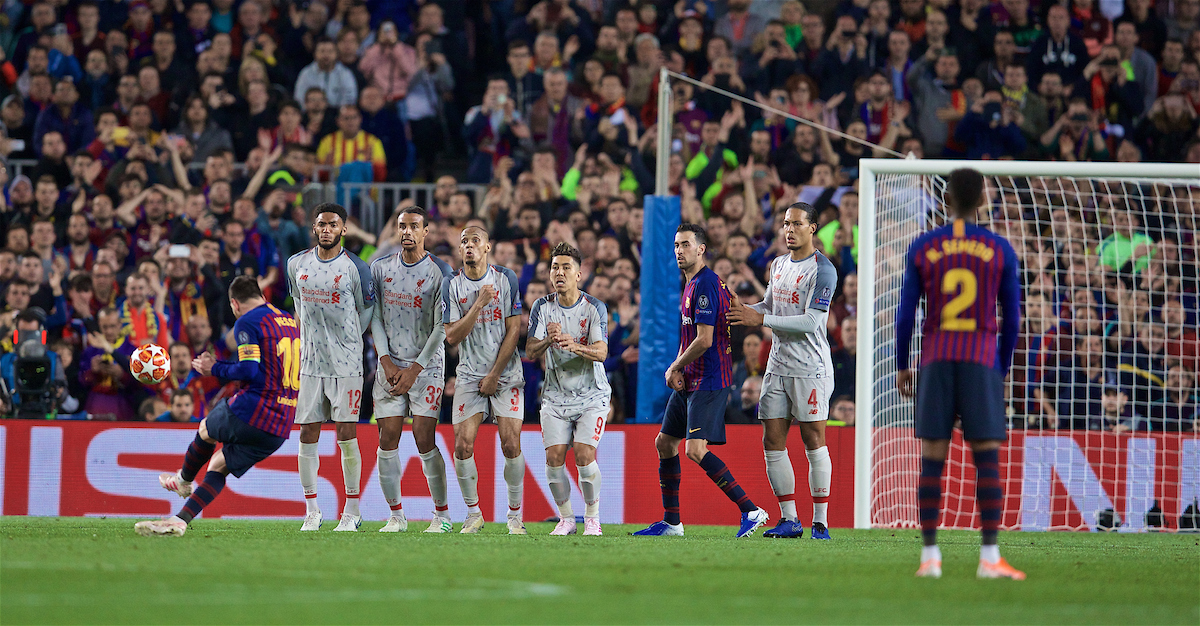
point(599, 328)
point(450, 313)
point(378, 331)
point(514, 300)
point(438, 336)
point(536, 329)
point(809, 322)
point(824, 286)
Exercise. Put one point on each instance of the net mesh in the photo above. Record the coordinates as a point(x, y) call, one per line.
point(1101, 399)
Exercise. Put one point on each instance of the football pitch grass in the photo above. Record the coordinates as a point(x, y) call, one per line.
point(81, 570)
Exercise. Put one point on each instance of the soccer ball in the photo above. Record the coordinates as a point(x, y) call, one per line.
point(150, 364)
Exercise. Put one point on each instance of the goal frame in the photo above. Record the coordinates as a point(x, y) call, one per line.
point(869, 169)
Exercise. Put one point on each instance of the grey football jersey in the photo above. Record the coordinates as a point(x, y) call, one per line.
point(478, 351)
point(408, 310)
point(334, 302)
point(570, 378)
point(795, 287)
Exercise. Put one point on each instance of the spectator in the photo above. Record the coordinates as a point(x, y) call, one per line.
point(381, 121)
point(744, 408)
point(939, 101)
point(992, 72)
point(841, 411)
point(740, 27)
point(328, 75)
point(1075, 135)
point(524, 86)
point(843, 60)
point(183, 406)
point(1117, 414)
point(350, 144)
point(1151, 30)
point(1058, 50)
point(1027, 109)
point(425, 102)
point(104, 369)
point(289, 131)
point(989, 130)
point(1170, 126)
point(389, 64)
point(204, 134)
point(844, 360)
point(493, 130)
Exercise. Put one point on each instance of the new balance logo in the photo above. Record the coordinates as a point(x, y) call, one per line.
point(387, 280)
point(304, 277)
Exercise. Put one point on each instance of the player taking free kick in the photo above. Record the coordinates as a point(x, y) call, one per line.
point(699, 379)
point(481, 309)
point(963, 270)
point(409, 337)
point(799, 376)
point(254, 422)
point(335, 299)
point(570, 328)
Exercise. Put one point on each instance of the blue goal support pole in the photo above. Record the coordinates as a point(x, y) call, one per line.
point(658, 339)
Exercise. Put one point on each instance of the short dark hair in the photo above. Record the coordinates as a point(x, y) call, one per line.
point(31, 314)
point(696, 230)
point(244, 289)
point(329, 207)
point(181, 393)
point(566, 249)
point(416, 210)
point(517, 44)
point(810, 212)
point(964, 191)
point(80, 282)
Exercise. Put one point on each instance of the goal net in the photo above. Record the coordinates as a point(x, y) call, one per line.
point(1101, 400)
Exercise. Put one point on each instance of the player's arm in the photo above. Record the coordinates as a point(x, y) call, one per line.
point(702, 342)
point(364, 296)
point(457, 328)
point(539, 339)
point(906, 320)
point(512, 326)
point(294, 289)
point(248, 368)
point(597, 346)
point(1010, 307)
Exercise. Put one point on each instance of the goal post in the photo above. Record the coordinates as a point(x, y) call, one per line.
point(901, 198)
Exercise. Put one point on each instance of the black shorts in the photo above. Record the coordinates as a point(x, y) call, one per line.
point(947, 390)
point(242, 444)
point(697, 415)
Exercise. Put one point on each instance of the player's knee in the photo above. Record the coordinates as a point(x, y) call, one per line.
point(555, 456)
point(584, 455)
point(696, 450)
point(511, 449)
point(665, 445)
point(203, 432)
point(425, 441)
point(464, 449)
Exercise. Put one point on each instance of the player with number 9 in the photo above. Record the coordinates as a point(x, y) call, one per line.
point(963, 270)
point(252, 424)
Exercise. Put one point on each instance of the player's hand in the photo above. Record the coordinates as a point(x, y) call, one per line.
point(486, 293)
point(204, 364)
point(391, 371)
point(904, 382)
point(487, 386)
point(675, 379)
point(742, 315)
point(553, 330)
point(405, 379)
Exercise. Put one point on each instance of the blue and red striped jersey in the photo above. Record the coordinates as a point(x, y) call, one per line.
point(268, 362)
point(963, 270)
point(706, 301)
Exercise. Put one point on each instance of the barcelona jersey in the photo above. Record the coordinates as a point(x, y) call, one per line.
point(268, 350)
point(963, 270)
point(706, 301)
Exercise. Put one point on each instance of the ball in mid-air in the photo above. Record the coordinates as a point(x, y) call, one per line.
point(150, 364)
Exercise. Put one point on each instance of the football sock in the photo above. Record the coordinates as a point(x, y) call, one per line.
point(783, 482)
point(468, 482)
point(389, 477)
point(931, 552)
point(989, 494)
point(435, 475)
point(669, 474)
point(351, 474)
point(202, 496)
point(308, 463)
point(514, 475)
point(560, 488)
point(589, 484)
point(198, 453)
point(929, 498)
point(720, 474)
point(820, 473)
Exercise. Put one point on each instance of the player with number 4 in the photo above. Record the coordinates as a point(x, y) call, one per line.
point(481, 310)
point(334, 297)
point(799, 376)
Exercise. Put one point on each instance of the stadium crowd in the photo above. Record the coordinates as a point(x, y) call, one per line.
point(171, 139)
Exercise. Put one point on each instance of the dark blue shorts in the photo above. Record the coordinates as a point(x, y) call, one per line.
point(947, 390)
point(697, 415)
point(242, 444)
